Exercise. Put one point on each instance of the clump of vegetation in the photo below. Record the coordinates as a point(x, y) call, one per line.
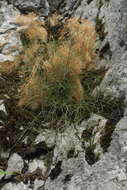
point(9, 67)
point(53, 79)
point(32, 27)
point(53, 67)
point(82, 35)
point(58, 70)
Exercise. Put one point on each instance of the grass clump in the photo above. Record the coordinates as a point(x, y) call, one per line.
point(53, 67)
point(32, 27)
point(9, 67)
point(58, 73)
point(82, 35)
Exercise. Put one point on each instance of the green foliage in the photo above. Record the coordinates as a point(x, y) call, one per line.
point(2, 172)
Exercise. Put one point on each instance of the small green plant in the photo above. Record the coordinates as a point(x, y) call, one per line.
point(2, 172)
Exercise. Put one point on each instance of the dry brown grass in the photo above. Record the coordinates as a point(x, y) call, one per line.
point(53, 21)
point(64, 64)
point(65, 61)
point(32, 27)
point(33, 30)
point(82, 36)
point(35, 36)
point(32, 94)
point(9, 67)
point(30, 54)
point(61, 65)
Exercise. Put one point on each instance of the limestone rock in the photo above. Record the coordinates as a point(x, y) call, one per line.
point(37, 164)
point(108, 173)
point(112, 17)
point(10, 43)
point(47, 136)
point(38, 184)
point(93, 131)
point(20, 186)
point(69, 169)
point(15, 163)
point(41, 6)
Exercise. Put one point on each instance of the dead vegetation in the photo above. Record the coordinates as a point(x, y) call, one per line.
point(82, 35)
point(32, 27)
point(55, 61)
point(9, 67)
point(51, 67)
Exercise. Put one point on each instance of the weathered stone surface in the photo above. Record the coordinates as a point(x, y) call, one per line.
point(27, 5)
point(10, 44)
point(115, 80)
point(15, 163)
point(87, 10)
point(20, 186)
point(42, 6)
point(4, 58)
point(69, 169)
point(47, 136)
point(108, 173)
point(38, 184)
point(37, 164)
point(68, 143)
point(93, 131)
point(113, 15)
point(7, 13)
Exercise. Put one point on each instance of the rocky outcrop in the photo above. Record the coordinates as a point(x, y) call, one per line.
point(41, 6)
point(67, 159)
point(10, 43)
point(108, 173)
point(72, 171)
point(113, 16)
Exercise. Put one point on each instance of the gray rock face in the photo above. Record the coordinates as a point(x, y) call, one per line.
point(87, 10)
point(24, 6)
point(15, 163)
point(28, 5)
point(69, 169)
point(38, 184)
point(113, 15)
point(35, 164)
point(108, 173)
point(115, 80)
point(111, 21)
point(10, 43)
point(20, 186)
point(94, 128)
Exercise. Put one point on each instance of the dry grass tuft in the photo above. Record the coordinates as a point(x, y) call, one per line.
point(32, 27)
point(82, 36)
point(64, 64)
point(33, 31)
point(9, 67)
point(53, 21)
point(54, 65)
point(60, 66)
point(32, 94)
